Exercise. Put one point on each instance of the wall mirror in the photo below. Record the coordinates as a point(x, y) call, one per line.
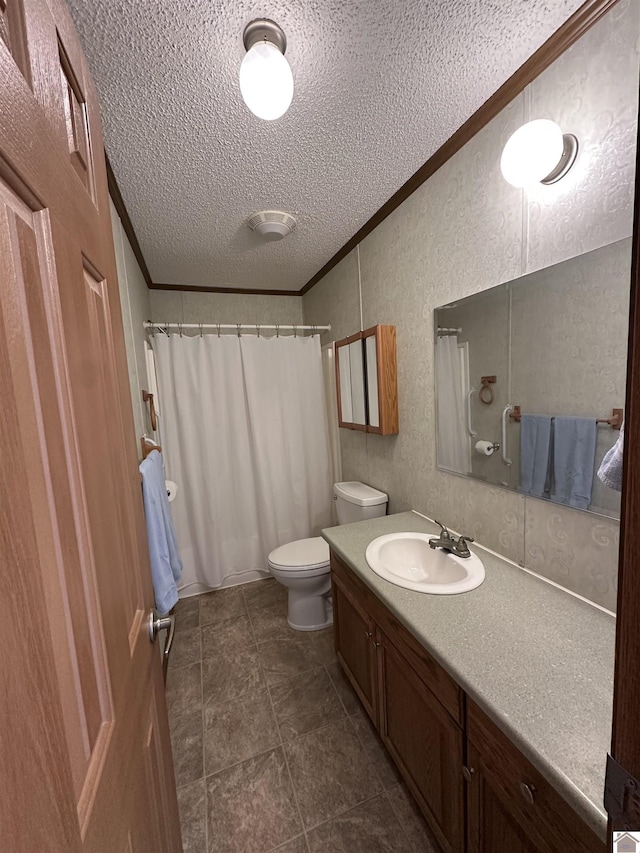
point(551, 344)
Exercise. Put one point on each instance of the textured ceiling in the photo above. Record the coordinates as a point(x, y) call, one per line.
point(379, 86)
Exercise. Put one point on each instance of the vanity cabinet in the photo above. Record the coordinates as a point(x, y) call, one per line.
point(510, 806)
point(395, 678)
point(468, 778)
point(366, 380)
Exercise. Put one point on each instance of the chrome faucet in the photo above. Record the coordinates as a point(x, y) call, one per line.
point(449, 543)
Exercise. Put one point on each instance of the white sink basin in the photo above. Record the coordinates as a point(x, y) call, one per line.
point(407, 560)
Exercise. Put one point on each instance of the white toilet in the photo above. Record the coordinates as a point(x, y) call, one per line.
point(303, 566)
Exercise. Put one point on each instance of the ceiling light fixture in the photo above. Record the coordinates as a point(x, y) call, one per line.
point(266, 81)
point(538, 152)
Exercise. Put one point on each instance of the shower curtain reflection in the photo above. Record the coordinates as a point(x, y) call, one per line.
point(244, 434)
point(454, 447)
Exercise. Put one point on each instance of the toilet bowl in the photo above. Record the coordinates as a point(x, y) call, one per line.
point(303, 565)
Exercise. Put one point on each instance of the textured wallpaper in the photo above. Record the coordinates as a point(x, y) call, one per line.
point(177, 306)
point(466, 230)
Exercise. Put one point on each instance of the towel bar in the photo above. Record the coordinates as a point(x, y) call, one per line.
point(614, 420)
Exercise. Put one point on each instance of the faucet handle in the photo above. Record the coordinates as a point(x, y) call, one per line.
point(462, 548)
point(444, 531)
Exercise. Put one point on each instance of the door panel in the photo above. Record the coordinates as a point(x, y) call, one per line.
point(491, 826)
point(86, 758)
point(355, 650)
point(425, 743)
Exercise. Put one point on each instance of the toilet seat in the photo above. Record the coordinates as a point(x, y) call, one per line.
point(302, 558)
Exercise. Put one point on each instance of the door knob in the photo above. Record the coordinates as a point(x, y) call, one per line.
point(162, 623)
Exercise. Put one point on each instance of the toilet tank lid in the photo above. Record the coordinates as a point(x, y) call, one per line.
point(359, 493)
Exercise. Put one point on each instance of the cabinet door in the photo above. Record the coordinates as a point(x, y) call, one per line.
point(350, 380)
point(355, 644)
point(425, 743)
point(507, 797)
point(491, 825)
point(356, 368)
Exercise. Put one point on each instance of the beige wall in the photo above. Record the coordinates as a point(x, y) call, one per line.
point(134, 299)
point(466, 230)
point(189, 307)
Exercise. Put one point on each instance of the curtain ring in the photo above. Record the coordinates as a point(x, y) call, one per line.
point(200, 324)
point(295, 331)
point(180, 328)
point(218, 325)
point(258, 328)
point(238, 325)
point(315, 330)
point(277, 330)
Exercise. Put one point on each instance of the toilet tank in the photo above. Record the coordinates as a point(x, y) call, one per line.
point(357, 502)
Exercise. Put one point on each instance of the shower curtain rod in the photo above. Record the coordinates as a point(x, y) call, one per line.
point(236, 326)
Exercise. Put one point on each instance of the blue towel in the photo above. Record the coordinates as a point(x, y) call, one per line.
point(610, 470)
point(574, 455)
point(166, 566)
point(535, 443)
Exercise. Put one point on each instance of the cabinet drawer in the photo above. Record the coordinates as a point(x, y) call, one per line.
point(531, 800)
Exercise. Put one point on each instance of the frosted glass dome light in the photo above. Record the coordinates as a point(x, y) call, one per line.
point(538, 152)
point(266, 81)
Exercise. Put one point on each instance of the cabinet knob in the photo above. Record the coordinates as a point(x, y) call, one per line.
point(369, 635)
point(468, 772)
point(528, 792)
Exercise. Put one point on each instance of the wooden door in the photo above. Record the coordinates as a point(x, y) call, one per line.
point(84, 744)
point(354, 640)
point(625, 746)
point(424, 742)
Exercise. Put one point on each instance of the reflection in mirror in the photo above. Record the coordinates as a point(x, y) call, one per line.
point(556, 343)
point(359, 415)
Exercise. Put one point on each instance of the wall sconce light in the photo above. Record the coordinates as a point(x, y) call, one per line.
point(266, 81)
point(538, 152)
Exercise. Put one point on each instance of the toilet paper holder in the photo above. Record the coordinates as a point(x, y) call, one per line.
point(486, 448)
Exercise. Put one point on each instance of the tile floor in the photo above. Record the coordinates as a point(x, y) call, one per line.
point(271, 746)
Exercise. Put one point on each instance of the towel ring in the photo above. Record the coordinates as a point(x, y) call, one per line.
point(486, 394)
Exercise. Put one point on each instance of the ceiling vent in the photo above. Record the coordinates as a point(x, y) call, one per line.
point(272, 224)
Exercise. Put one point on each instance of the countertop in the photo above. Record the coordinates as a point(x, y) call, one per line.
point(536, 659)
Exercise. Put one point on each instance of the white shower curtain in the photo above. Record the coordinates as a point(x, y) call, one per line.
point(244, 435)
point(454, 450)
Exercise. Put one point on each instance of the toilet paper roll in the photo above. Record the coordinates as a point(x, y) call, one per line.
point(484, 448)
point(172, 489)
